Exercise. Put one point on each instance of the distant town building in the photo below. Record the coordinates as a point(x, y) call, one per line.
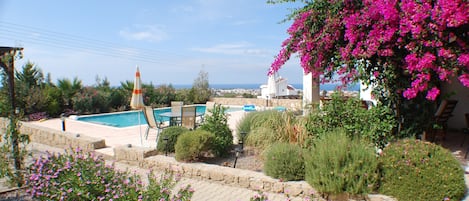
point(277, 87)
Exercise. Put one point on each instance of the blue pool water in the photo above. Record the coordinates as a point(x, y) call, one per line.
point(126, 119)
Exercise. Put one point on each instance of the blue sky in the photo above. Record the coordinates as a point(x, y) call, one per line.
point(235, 41)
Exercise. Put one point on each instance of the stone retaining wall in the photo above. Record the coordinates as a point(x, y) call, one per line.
point(56, 138)
point(230, 176)
point(290, 104)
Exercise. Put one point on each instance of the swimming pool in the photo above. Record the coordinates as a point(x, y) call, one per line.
point(126, 119)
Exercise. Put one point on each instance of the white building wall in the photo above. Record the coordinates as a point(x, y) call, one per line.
point(310, 92)
point(365, 93)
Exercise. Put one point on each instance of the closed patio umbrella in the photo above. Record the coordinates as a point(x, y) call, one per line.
point(137, 99)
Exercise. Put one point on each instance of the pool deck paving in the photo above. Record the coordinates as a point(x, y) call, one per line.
point(204, 190)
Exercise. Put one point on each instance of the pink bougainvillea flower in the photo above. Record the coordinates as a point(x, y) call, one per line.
point(433, 93)
point(410, 93)
point(464, 60)
point(464, 79)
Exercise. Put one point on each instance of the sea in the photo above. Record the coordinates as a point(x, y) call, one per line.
point(327, 87)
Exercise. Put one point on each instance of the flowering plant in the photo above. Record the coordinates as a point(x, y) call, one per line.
point(423, 41)
point(85, 176)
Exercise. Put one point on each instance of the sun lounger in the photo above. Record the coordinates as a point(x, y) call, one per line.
point(249, 108)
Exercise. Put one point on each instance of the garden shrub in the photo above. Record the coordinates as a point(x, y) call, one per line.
point(217, 123)
point(172, 133)
point(254, 120)
point(260, 138)
point(339, 164)
point(285, 161)
point(244, 124)
point(416, 170)
point(375, 124)
point(287, 127)
point(93, 100)
point(192, 144)
point(84, 176)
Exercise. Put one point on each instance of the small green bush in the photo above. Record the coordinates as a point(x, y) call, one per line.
point(285, 161)
point(190, 145)
point(337, 164)
point(217, 123)
point(375, 124)
point(287, 126)
point(171, 133)
point(252, 120)
point(416, 170)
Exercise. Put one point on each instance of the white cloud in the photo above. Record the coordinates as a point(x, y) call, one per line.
point(242, 48)
point(151, 33)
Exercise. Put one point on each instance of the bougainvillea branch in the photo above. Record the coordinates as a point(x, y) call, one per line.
point(426, 40)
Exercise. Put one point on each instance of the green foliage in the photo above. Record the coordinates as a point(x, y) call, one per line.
point(172, 133)
point(31, 75)
point(375, 124)
point(416, 115)
point(336, 164)
point(119, 99)
point(13, 153)
point(92, 100)
point(259, 196)
point(84, 176)
point(34, 95)
point(69, 89)
point(217, 123)
point(244, 125)
point(161, 189)
point(156, 97)
point(246, 95)
point(200, 91)
point(267, 118)
point(192, 144)
point(416, 170)
point(163, 95)
point(286, 126)
point(183, 95)
point(284, 161)
point(260, 138)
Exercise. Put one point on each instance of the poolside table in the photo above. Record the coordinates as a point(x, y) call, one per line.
point(173, 116)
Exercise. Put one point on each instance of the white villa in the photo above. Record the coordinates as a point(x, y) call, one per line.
point(277, 87)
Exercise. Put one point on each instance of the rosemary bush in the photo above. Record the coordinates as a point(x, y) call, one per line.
point(191, 145)
point(417, 170)
point(171, 133)
point(337, 164)
point(285, 161)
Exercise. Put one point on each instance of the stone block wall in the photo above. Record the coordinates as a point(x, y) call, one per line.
point(229, 176)
point(56, 138)
point(290, 104)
